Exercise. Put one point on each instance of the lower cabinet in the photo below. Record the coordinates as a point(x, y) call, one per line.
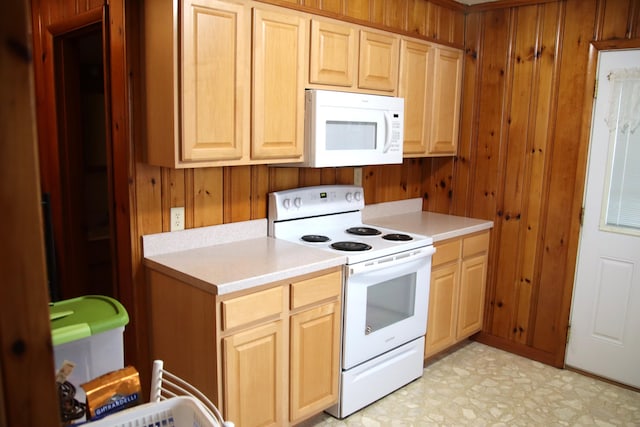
point(456, 297)
point(254, 375)
point(284, 355)
point(265, 357)
point(315, 342)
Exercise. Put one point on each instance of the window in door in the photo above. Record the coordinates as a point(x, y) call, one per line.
point(621, 207)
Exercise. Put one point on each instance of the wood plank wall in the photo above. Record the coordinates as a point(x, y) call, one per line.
point(521, 160)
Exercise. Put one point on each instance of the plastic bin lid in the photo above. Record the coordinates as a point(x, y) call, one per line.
point(82, 317)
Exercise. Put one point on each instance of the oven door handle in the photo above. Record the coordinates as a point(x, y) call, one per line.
point(391, 260)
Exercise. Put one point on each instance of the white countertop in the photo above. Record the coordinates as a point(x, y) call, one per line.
point(407, 215)
point(219, 261)
point(232, 257)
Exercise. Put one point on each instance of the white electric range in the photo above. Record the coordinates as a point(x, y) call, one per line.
point(386, 287)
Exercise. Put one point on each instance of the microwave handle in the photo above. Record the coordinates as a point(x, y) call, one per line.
point(387, 132)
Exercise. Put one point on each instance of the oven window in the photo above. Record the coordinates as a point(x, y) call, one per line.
point(351, 135)
point(390, 302)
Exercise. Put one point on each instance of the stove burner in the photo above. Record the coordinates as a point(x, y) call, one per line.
point(315, 238)
point(363, 231)
point(350, 246)
point(398, 237)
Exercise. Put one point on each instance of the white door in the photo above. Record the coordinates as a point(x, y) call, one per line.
point(605, 316)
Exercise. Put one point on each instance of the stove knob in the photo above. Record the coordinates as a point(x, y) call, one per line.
point(297, 202)
point(349, 197)
point(358, 196)
point(286, 203)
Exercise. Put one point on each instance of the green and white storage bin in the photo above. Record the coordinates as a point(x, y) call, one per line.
point(88, 331)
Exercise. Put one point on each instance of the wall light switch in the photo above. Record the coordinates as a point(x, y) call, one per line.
point(177, 218)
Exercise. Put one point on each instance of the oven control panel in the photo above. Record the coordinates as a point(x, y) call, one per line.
point(312, 201)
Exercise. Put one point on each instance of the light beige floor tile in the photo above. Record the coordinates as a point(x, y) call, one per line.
point(480, 385)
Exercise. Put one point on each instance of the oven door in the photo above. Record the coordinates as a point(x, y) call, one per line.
point(386, 303)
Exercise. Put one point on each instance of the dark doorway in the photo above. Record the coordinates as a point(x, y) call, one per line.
point(81, 201)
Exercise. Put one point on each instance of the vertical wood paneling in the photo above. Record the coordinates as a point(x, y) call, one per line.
point(490, 114)
point(395, 14)
point(390, 183)
point(541, 128)
point(561, 212)
point(439, 187)
point(149, 199)
point(282, 178)
point(376, 11)
point(309, 3)
point(464, 173)
point(92, 4)
point(358, 9)
point(237, 193)
point(334, 6)
point(344, 175)
point(208, 197)
point(417, 17)
point(173, 194)
point(615, 19)
point(414, 171)
point(517, 174)
point(492, 149)
point(446, 25)
point(432, 20)
point(633, 31)
point(309, 177)
point(259, 191)
point(459, 29)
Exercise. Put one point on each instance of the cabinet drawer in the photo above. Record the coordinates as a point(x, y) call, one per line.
point(248, 308)
point(316, 289)
point(475, 244)
point(446, 252)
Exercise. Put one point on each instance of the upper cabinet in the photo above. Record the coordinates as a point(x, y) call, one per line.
point(430, 82)
point(447, 90)
point(279, 66)
point(378, 59)
point(333, 54)
point(346, 57)
point(416, 87)
point(198, 81)
point(224, 82)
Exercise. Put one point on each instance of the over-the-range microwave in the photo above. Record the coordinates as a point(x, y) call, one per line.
point(352, 129)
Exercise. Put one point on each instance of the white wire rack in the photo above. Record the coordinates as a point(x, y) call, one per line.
point(165, 385)
point(173, 402)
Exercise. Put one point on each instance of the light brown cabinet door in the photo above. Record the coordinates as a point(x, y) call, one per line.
point(473, 278)
point(333, 54)
point(378, 61)
point(447, 79)
point(315, 349)
point(254, 376)
point(416, 87)
point(279, 64)
point(215, 80)
point(443, 301)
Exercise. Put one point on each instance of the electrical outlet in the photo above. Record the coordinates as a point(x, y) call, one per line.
point(177, 218)
point(357, 176)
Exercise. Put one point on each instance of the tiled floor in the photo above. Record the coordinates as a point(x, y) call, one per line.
point(482, 386)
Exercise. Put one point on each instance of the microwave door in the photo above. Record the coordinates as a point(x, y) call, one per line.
point(350, 137)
